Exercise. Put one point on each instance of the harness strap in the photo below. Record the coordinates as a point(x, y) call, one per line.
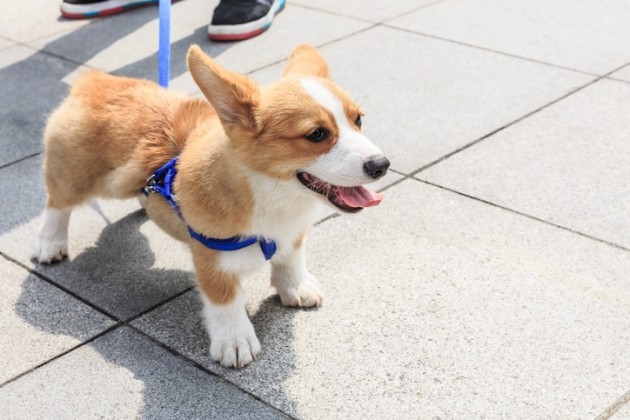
point(161, 182)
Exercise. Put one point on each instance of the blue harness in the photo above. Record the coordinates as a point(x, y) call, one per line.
point(161, 182)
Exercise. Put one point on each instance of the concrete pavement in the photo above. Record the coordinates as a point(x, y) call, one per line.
point(492, 282)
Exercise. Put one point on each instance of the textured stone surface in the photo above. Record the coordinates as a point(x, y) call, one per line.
point(437, 305)
point(39, 321)
point(623, 74)
point(372, 10)
point(28, 21)
point(123, 375)
point(127, 44)
point(31, 87)
point(119, 260)
point(537, 29)
point(424, 98)
point(568, 164)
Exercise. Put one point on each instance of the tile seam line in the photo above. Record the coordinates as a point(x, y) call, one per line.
point(513, 122)
point(22, 159)
point(88, 303)
point(614, 407)
point(197, 365)
point(503, 53)
point(54, 55)
point(614, 79)
point(424, 6)
point(60, 355)
point(118, 323)
point(324, 44)
point(519, 213)
point(415, 9)
point(64, 289)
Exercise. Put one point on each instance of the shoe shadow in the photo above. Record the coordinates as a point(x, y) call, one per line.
point(118, 275)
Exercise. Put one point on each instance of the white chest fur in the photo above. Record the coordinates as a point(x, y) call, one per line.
point(283, 210)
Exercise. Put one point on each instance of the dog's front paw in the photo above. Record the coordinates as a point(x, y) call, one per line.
point(307, 294)
point(234, 348)
point(48, 251)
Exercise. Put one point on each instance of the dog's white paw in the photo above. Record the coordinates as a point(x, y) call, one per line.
point(233, 341)
point(52, 241)
point(49, 251)
point(307, 294)
point(234, 348)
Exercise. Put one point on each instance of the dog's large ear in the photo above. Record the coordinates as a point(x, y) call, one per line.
point(234, 96)
point(305, 60)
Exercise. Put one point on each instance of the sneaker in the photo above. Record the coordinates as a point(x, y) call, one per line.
point(235, 20)
point(80, 9)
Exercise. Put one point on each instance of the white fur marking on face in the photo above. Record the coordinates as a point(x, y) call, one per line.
point(343, 164)
point(233, 341)
point(52, 242)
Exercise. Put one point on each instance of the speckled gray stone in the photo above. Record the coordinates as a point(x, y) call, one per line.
point(127, 44)
point(436, 306)
point(568, 164)
point(28, 21)
point(5, 43)
point(39, 321)
point(372, 10)
point(584, 36)
point(119, 260)
point(424, 98)
point(623, 74)
point(123, 375)
point(25, 75)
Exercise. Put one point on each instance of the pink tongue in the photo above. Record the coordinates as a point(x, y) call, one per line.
point(359, 196)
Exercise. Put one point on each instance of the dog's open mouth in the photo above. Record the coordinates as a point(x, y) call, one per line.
point(348, 199)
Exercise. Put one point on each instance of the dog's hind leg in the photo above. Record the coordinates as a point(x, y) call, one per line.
point(52, 242)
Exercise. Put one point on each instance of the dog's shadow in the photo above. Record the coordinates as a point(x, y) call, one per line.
point(116, 274)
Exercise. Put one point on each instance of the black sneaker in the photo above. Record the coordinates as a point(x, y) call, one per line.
point(81, 9)
point(234, 20)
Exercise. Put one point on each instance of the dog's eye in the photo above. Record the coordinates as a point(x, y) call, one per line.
point(358, 121)
point(317, 135)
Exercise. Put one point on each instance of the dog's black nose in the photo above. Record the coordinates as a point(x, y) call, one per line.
point(376, 166)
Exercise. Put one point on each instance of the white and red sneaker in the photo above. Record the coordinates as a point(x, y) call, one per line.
point(81, 9)
point(234, 20)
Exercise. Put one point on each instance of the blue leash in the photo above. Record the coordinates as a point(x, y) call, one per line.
point(164, 51)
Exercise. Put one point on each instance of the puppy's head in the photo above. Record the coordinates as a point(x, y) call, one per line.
point(303, 128)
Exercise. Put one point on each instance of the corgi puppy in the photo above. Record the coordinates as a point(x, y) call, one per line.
point(252, 162)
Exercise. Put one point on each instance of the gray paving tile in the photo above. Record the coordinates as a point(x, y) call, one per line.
point(123, 375)
point(119, 260)
point(39, 321)
point(127, 44)
point(438, 306)
point(536, 29)
point(31, 87)
point(26, 21)
point(623, 74)
point(568, 164)
point(5, 43)
point(623, 413)
point(424, 98)
point(372, 10)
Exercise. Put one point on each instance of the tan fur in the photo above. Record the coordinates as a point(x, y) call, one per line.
point(218, 286)
point(306, 61)
point(112, 133)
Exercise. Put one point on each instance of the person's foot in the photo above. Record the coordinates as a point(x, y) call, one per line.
point(235, 20)
point(81, 9)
